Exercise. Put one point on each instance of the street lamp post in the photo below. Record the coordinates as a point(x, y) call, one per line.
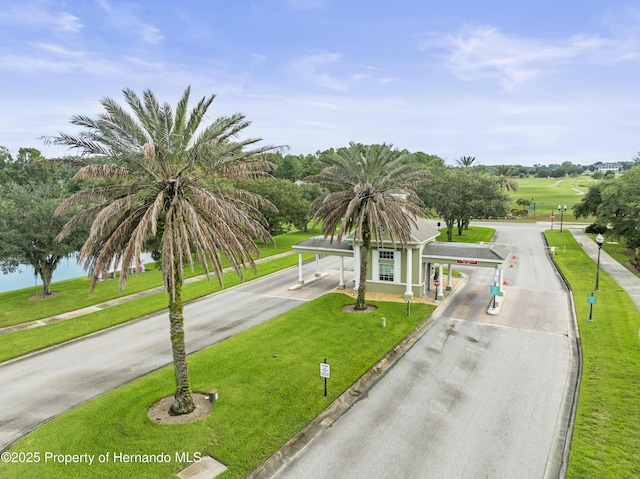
point(599, 240)
point(561, 210)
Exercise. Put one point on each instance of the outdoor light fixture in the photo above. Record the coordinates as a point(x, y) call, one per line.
point(599, 240)
point(561, 210)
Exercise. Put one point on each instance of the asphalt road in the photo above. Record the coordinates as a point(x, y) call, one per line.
point(41, 386)
point(477, 396)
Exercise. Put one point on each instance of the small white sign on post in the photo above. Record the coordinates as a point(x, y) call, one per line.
point(325, 370)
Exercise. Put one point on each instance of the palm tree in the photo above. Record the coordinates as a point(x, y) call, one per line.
point(504, 174)
point(164, 174)
point(466, 161)
point(371, 192)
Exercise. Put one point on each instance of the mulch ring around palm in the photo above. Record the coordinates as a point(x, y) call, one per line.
point(159, 411)
point(351, 308)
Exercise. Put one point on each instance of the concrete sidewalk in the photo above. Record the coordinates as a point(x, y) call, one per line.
point(625, 278)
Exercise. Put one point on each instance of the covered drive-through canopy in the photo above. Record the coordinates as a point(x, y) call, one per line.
point(418, 275)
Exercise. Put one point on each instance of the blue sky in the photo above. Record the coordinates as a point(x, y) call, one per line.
point(517, 82)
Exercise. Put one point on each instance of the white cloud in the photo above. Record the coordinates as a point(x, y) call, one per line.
point(328, 70)
point(476, 53)
point(122, 16)
point(257, 59)
point(65, 63)
point(36, 14)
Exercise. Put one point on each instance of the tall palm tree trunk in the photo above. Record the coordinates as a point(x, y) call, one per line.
point(183, 401)
point(364, 264)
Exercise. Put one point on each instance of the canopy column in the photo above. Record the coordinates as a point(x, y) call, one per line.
point(300, 277)
point(408, 292)
point(356, 266)
point(439, 293)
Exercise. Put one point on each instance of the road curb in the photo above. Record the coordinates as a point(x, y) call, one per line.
point(559, 455)
point(296, 445)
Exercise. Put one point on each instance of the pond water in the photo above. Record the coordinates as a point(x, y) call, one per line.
point(68, 268)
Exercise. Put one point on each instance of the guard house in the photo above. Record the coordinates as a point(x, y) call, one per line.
point(412, 270)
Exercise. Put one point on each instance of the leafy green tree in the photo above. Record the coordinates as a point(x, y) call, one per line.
point(5, 157)
point(371, 191)
point(620, 206)
point(28, 167)
point(292, 207)
point(290, 168)
point(28, 230)
point(159, 163)
point(459, 194)
point(543, 172)
point(589, 203)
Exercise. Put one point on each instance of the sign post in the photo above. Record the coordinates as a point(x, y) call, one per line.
point(325, 372)
point(494, 291)
point(591, 299)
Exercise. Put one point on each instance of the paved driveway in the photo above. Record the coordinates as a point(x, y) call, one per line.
point(42, 386)
point(477, 396)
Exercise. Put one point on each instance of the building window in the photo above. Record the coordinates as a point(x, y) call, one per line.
point(386, 254)
point(386, 272)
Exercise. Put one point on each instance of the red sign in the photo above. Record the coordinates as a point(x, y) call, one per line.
point(466, 261)
point(436, 282)
point(553, 217)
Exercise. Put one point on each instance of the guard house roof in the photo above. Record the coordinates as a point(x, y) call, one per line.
point(423, 232)
point(321, 245)
point(465, 253)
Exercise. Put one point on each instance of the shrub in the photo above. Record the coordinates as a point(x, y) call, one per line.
point(595, 228)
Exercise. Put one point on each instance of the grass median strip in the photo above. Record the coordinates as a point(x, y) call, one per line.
point(269, 385)
point(19, 343)
point(606, 437)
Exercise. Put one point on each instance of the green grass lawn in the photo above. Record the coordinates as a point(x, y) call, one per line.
point(269, 385)
point(73, 294)
point(548, 193)
point(475, 234)
point(606, 438)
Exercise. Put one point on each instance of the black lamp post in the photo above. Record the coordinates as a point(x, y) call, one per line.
point(599, 240)
point(561, 210)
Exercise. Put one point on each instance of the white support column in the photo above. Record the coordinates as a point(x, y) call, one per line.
point(501, 280)
point(317, 265)
point(356, 266)
point(341, 283)
point(450, 277)
point(408, 292)
point(300, 277)
point(440, 294)
point(426, 278)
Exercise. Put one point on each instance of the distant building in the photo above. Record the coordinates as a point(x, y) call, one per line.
point(604, 167)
